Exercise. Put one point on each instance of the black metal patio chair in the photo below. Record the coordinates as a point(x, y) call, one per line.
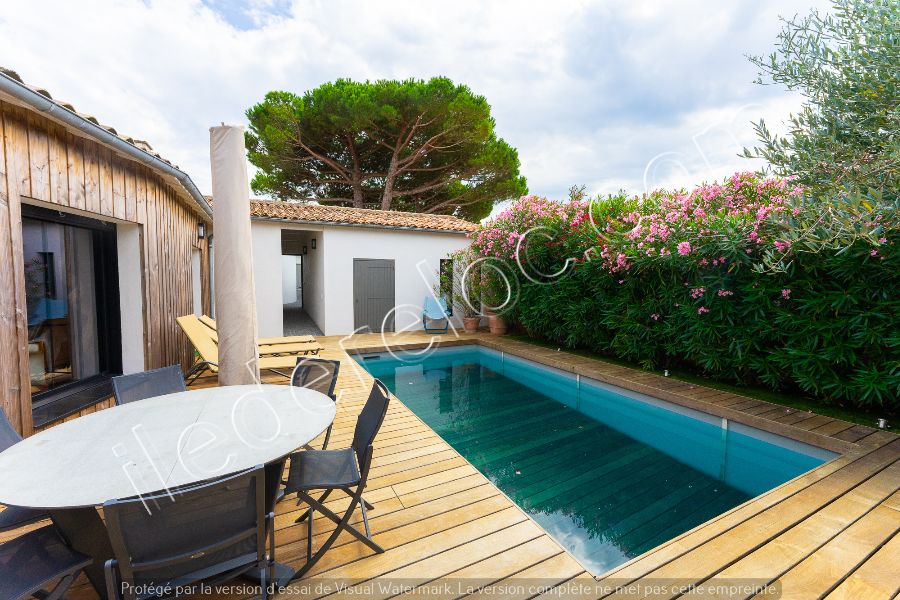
point(147, 384)
point(317, 374)
point(31, 563)
point(13, 517)
point(208, 532)
point(345, 470)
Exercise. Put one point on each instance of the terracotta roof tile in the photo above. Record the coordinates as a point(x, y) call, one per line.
point(340, 215)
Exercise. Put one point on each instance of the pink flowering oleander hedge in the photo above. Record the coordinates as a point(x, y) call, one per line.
point(688, 279)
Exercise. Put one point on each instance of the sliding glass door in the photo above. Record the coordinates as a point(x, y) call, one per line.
point(71, 290)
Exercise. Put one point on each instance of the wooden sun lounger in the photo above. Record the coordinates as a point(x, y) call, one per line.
point(268, 341)
point(296, 344)
point(206, 343)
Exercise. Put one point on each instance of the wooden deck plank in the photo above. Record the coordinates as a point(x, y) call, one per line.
point(419, 540)
point(875, 579)
point(479, 500)
point(833, 427)
point(782, 553)
point(489, 571)
point(831, 563)
point(456, 558)
point(547, 573)
point(707, 559)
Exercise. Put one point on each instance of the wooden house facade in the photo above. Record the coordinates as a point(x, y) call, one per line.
point(103, 244)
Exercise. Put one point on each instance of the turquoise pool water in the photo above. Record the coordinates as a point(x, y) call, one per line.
point(609, 473)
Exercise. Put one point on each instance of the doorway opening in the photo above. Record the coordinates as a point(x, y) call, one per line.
point(299, 272)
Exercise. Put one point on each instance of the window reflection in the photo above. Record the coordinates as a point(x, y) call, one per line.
point(61, 297)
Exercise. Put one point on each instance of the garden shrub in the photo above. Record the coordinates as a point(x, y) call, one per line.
point(743, 281)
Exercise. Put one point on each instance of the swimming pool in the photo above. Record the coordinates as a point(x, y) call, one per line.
point(609, 473)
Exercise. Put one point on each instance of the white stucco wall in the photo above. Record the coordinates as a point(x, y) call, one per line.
point(288, 279)
point(267, 278)
point(416, 256)
point(314, 277)
point(328, 271)
point(131, 301)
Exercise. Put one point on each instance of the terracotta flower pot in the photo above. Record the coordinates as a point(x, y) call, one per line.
point(497, 324)
point(470, 324)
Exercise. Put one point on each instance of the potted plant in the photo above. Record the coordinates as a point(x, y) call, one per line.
point(466, 290)
point(493, 294)
point(471, 301)
point(496, 323)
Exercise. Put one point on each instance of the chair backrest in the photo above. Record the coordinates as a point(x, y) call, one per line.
point(189, 534)
point(368, 423)
point(8, 433)
point(435, 308)
point(317, 374)
point(137, 386)
point(201, 337)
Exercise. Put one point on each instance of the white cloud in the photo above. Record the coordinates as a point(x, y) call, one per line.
point(589, 92)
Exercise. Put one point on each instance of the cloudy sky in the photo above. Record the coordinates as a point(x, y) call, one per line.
point(629, 94)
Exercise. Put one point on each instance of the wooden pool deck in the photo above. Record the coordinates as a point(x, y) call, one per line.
point(831, 532)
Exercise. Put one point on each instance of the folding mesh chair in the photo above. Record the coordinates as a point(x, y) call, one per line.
point(208, 532)
point(30, 563)
point(13, 517)
point(320, 375)
point(345, 470)
point(147, 384)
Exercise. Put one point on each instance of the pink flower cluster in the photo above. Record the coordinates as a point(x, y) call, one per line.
point(499, 237)
point(708, 227)
point(666, 223)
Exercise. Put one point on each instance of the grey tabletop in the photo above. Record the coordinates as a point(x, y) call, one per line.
point(160, 443)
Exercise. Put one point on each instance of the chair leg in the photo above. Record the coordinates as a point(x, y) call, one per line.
point(321, 499)
point(270, 559)
point(355, 498)
point(347, 491)
point(309, 533)
point(264, 581)
point(342, 525)
point(362, 508)
point(367, 504)
point(195, 372)
point(327, 437)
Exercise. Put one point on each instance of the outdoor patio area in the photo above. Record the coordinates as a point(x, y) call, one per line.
point(828, 532)
point(553, 301)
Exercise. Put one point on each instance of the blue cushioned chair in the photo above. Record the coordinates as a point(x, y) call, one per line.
point(435, 309)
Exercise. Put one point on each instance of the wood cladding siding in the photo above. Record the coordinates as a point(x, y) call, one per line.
point(41, 160)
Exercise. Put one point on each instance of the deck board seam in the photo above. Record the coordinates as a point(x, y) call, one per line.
point(801, 521)
point(474, 562)
point(856, 567)
point(425, 537)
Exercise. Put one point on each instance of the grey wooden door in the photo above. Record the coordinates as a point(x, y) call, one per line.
point(373, 294)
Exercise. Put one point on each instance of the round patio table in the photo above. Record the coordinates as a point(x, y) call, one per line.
point(156, 444)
